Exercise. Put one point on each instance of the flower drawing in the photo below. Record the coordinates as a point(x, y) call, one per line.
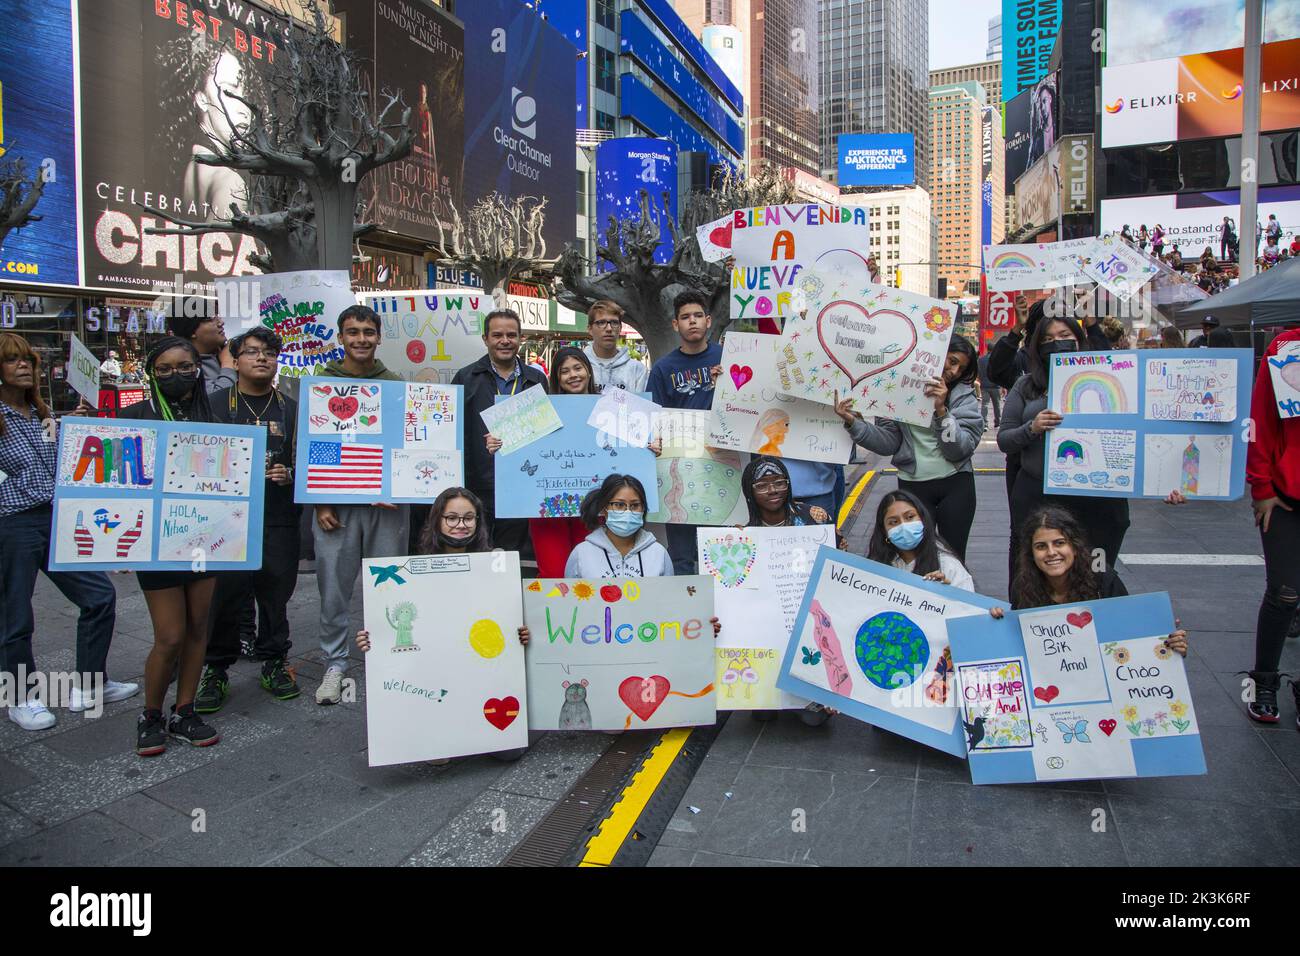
point(937, 320)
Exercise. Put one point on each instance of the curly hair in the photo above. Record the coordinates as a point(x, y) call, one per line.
point(1029, 586)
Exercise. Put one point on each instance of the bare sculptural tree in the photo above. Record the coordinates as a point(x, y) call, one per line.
point(306, 139)
point(499, 239)
point(19, 194)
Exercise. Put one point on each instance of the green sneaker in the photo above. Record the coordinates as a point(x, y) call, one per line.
point(278, 679)
point(214, 688)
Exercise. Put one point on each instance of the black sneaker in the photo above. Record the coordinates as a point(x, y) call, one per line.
point(190, 728)
point(278, 679)
point(150, 735)
point(214, 688)
point(1263, 708)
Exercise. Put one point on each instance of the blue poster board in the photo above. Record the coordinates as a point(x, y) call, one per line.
point(858, 618)
point(1140, 424)
point(549, 478)
point(157, 496)
point(1076, 692)
point(362, 441)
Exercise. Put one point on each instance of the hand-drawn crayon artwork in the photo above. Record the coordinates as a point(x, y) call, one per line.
point(207, 465)
point(107, 456)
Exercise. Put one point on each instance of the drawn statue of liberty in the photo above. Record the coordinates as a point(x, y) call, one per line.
point(1191, 467)
point(400, 618)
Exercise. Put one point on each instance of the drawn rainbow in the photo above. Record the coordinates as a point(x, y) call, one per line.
point(1103, 386)
point(1070, 450)
point(1013, 260)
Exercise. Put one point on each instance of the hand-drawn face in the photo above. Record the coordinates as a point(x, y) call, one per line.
point(573, 376)
point(575, 692)
point(360, 339)
point(777, 430)
point(1053, 552)
point(954, 367)
point(900, 512)
point(404, 613)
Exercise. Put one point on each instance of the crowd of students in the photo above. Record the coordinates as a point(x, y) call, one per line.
point(922, 527)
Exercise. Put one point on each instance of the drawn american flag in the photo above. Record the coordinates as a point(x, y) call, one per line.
point(358, 469)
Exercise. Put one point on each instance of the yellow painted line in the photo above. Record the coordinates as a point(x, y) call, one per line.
point(613, 832)
point(852, 499)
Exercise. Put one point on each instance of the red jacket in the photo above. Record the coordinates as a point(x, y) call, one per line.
point(1273, 458)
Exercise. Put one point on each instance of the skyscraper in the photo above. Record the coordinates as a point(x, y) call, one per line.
point(995, 37)
point(956, 179)
point(874, 73)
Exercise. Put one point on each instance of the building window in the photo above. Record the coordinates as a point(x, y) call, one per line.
point(604, 70)
point(605, 13)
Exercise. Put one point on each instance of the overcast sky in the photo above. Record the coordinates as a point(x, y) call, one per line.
point(959, 31)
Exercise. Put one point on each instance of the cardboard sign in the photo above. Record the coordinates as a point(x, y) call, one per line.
point(302, 308)
point(429, 335)
point(1284, 367)
point(696, 484)
point(83, 371)
point(521, 419)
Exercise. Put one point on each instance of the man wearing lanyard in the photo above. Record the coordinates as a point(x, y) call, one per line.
point(498, 373)
point(254, 401)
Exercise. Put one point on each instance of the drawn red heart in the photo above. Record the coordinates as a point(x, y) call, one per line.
point(415, 351)
point(643, 695)
point(343, 408)
point(1107, 726)
point(322, 390)
point(1079, 620)
point(611, 593)
point(721, 236)
point(740, 374)
point(1047, 694)
point(892, 329)
point(501, 712)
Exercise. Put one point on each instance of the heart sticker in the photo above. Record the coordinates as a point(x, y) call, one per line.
point(1106, 726)
point(322, 390)
point(721, 236)
point(862, 343)
point(343, 408)
point(1047, 694)
point(1080, 620)
point(368, 419)
point(740, 374)
point(643, 695)
point(730, 560)
point(501, 713)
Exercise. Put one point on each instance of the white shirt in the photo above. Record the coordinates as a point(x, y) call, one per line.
point(952, 569)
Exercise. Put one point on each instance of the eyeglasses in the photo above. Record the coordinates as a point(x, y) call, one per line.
point(167, 371)
point(605, 324)
point(463, 521)
point(260, 353)
point(636, 507)
point(776, 484)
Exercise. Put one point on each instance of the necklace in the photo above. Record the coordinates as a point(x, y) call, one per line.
point(257, 416)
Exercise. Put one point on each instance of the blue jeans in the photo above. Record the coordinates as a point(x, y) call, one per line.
point(24, 551)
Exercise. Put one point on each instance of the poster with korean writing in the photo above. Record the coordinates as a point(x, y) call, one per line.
point(302, 308)
point(872, 641)
point(620, 654)
point(876, 345)
point(1140, 425)
point(1075, 692)
point(148, 496)
point(445, 670)
point(1284, 367)
point(549, 477)
point(696, 484)
point(429, 335)
point(759, 576)
point(751, 412)
point(362, 441)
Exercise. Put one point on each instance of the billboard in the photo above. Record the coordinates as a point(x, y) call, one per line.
point(877, 159)
point(1030, 127)
point(1029, 30)
point(520, 131)
point(417, 49)
point(987, 117)
point(1038, 191)
point(1139, 30)
point(1077, 173)
point(36, 125)
point(1197, 96)
point(1192, 220)
point(625, 167)
point(726, 45)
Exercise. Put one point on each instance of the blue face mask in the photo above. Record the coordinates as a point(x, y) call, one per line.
point(625, 524)
point(906, 536)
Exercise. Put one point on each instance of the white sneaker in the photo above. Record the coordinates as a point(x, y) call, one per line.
point(330, 690)
point(32, 716)
point(113, 692)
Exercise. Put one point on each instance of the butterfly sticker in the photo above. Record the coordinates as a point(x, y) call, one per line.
point(1079, 732)
point(810, 656)
point(529, 467)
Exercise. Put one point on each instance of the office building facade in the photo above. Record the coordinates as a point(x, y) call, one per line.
point(956, 180)
point(901, 232)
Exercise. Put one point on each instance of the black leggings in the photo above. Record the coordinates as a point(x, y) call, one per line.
point(1282, 576)
point(951, 502)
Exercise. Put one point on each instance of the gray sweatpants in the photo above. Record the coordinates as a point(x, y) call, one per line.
point(366, 532)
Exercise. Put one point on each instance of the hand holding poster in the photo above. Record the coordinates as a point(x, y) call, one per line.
point(625, 416)
point(1284, 367)
point(619, 654)
point(83, 371)
point(1118, 266)
point(302, 308)
point(1074, 692)
point(445, 669)
point(1014, 268)
point(521, 419)
point(696, 484)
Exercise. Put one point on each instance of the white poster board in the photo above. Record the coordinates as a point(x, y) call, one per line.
point(1284, 367)
point(430, 334)
point(83, 371)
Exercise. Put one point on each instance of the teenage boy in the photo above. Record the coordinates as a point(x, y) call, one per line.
point(254, 401)
point(208, 335)
point(614, 366)
point(345, 534)
point(684, 379)
point(498, 373)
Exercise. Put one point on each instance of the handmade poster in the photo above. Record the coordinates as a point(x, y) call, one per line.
point(302, 308)
point(361, 441)
point(696, 484)
point(521, 419)
point(1081, 691)
point(429, 335)
point(1190, 389)
point(751, 413)
point(872, 641)
point(879, 346)
point(83, 371)
point(1139, 425)
point(620, 654)
point(549, 477)
point(153, 496)
point(1014, 268)
point(625, 416)
point(445, 670)
point(1284, 367)
point(1068, 258)
point(759, 576)
point(1119, 267)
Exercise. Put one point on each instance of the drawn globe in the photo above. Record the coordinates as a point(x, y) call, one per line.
point(891, 650)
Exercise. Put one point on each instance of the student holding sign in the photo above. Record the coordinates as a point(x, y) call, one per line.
point(1273, 472)
point(906, 538)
